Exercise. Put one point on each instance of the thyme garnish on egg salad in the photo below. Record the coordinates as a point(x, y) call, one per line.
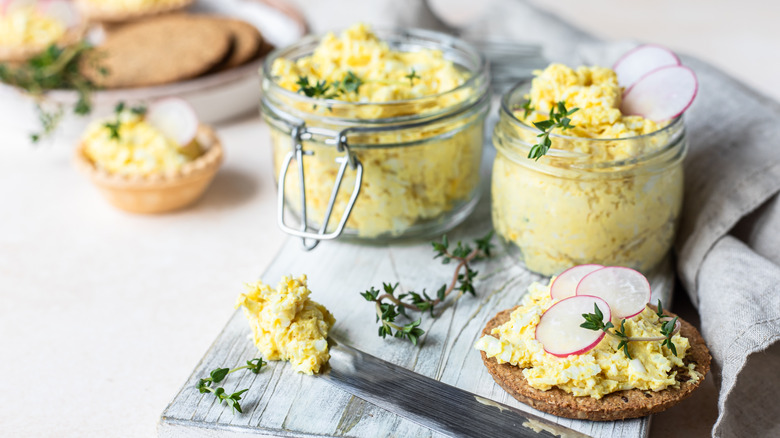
point(113, 127)
point(389, 306)
point(349, 84)
point(669, 327)
point(219, 374)
point(54, 68)
point(558, 119)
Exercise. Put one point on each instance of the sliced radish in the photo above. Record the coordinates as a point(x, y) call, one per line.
point(626, 290)
point(641, 61)
point(62, 10)
point(565, 285)
point(662, 94)
point(175, 118)
point(559, 328)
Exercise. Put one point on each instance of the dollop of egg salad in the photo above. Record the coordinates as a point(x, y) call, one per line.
point(287, 325)
point(595, 373)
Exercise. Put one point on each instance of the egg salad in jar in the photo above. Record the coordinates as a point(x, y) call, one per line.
point(409, 109)
point(609, 191)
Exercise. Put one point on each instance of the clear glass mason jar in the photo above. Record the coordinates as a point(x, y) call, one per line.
point(378, 171)
point(568, 208)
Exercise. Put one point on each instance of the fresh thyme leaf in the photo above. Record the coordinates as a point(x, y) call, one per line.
point(528, 108)
point(669, 327)
point(389, 306)
point(350, 84)
point(219, 374)
point(317, 90)
point(558, 119)
point(54, 68)
point(412, 76)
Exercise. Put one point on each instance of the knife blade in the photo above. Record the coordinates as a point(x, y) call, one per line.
point(440, 407)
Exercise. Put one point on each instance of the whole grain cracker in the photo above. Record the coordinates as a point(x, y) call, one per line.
point(157, 51)
point(614, 406)
point(247, 40)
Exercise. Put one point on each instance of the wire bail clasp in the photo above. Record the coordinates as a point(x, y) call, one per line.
point(299, 134)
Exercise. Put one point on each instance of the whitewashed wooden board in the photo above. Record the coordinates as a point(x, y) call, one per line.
point(281, 402)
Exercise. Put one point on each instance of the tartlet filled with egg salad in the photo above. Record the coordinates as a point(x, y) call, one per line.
point(145, 167)
point(28, 29)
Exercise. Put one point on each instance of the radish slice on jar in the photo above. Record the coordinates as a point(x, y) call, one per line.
point(641, 61)
point(175, 118)
point(559, 328)
point(625, 290)
point(565, 285)
point(662, 94)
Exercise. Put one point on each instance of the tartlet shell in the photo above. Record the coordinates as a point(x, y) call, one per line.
point(615, 406)
point(101, 14)
point(18, 54)
point(157, 193)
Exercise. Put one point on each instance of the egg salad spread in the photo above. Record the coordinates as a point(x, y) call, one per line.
point(596, 197)
point(137, 149)
point(27, 27)
point(600, 371)
point(411, 175)
point(287, 325)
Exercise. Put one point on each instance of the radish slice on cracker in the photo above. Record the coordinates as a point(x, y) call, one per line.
point(559, 328)
point(662, 94)
point(175, 118)
point(625, 290)
point(565, 285)
point(641, 61)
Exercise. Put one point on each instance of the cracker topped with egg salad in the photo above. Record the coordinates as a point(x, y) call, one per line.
point(604, 381)
point(422, 158)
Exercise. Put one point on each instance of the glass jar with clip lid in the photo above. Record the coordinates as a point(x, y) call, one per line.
point(377, 170)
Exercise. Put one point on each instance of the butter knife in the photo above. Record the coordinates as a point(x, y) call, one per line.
point(440, 407)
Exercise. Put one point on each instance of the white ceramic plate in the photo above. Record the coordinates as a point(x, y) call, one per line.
point(216, 97)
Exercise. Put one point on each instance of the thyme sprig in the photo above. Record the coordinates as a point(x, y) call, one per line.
point(669, 327)
point(390, 306)
point(350, 83)
point(558, 119)
point(321, 89)
point(412, 76)
point(54, 68)
point(219, 374)
point(115, 125)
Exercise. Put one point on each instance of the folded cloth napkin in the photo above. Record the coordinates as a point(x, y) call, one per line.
point(728, 248)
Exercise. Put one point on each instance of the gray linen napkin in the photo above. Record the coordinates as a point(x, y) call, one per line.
point(728, 248)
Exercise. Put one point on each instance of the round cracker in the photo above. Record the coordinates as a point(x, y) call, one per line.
point(615, 406)
point(112, 14)
point(157, 51)
point(247, 40)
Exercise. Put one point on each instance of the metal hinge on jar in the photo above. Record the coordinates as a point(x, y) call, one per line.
point(299, 134)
